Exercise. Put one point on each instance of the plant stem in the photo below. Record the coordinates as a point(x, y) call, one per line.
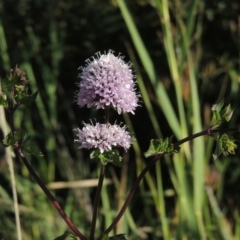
point(206, 132)
point(50, 196)
point(131, 194)
point(153, 161)
point(96, 202)
point(99, 188)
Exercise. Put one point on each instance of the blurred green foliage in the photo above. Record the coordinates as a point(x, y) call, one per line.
point(183, 64)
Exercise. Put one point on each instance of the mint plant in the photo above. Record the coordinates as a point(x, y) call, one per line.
point(107, 82)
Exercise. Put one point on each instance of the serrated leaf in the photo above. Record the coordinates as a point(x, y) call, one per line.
point(104, 160)
point(67, 236)
point(20, 139)
point(13, 139)
point(3, 100)
point(111, 156)
point(159, 146)
point(94, 154)
point(117, 159)
point(228, 113)
point(8, 140)
point(220, 116)
point(28, 100)
point(31, 147)
point(153, 148)
point(218, 106)
point(165, 143)
point(217, 152)
point(118, 237)
point(216, 120)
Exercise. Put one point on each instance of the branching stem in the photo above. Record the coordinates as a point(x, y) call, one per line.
point(153, 161)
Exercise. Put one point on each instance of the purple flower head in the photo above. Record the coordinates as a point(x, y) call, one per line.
point(108, 81)
point(103, 137)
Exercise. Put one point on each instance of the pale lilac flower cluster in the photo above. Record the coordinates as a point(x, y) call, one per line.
point(108, 81)
point(103, 137)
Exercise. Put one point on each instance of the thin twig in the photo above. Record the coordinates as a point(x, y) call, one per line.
point(96, 202)
point(131, 194)
point(152, 162)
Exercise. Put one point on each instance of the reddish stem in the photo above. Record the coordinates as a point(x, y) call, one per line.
point(152, 162)
point(50, 196)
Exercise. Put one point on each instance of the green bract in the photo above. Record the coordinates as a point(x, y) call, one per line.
point(112, 156)
point(159, 146)
point(220, 116)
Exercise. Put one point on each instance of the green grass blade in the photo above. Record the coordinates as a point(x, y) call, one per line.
point(4, 49)
point(161, 202)
point(161, 94)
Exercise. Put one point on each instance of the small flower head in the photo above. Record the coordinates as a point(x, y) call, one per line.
point(227, 144)
point(108, 81)
point(103, 137)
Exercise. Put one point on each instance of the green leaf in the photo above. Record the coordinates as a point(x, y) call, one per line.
point(20, 139)
point(217, 119)
point(67, 236)
point(28, 100)
point(165, 143)
point(218, 106)
point(159, 146)
point(220, 116)
point(94, 154)
point(118, 237)
point(153, 148)
point(228, 113)
point(3, 100)
point(217, 152)
point(32, 148)
point(116, 158)
point(14, 139)
point(112, 156)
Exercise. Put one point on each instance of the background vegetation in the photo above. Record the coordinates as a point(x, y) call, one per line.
point(186, 56)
